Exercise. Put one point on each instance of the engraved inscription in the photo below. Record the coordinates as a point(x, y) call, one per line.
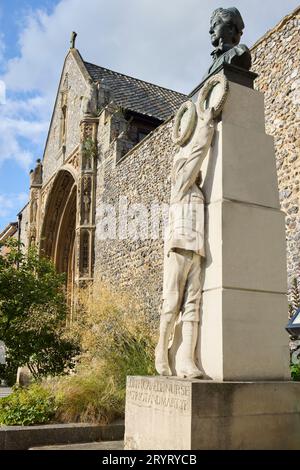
point(164, 395)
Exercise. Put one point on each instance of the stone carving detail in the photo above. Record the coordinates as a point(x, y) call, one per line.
point(87, 130)
point(33, 216)
point(213, 94)
point(33, 206)
point(86, 194)
point(85, 252)
point(89, 105)
point(36, 175)
point(86, 199)
point(226, 29)
point(64, 109)
point(105, 95)
point(185, 122)
point(73, 40)
point(74, 161)
point(89, 154)
point(32, 235)
point(44, 196)
point(185, 240)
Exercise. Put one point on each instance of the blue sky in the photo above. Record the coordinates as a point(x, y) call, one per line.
point(161, 41)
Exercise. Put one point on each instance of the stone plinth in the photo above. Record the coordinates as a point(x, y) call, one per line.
point(177, 414)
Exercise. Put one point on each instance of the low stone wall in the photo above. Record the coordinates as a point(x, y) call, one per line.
point(25, 437)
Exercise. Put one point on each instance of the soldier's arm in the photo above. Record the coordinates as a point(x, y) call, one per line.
point(188, 171)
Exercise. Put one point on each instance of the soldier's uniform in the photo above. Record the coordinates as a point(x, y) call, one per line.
point(184, 240)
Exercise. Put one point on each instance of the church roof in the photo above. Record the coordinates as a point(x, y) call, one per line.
point(9, 231)
point(137, 95)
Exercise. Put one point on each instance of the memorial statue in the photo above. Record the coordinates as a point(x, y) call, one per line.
point(185, 237)
point(226, 29)
point(185, 247)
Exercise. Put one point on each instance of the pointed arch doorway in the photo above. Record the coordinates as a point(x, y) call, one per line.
point(59, 228)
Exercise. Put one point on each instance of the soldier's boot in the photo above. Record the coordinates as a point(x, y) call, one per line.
point(188, 367)
point(161, 351)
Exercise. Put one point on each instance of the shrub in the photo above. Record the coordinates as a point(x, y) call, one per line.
point(114, 328)
point(33, 311)
point(116, 340)
point(27, 406)
point(295, 372)
point(90, 395)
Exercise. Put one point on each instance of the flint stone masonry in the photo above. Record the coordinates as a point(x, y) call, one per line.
point(276, 58)
point(143, 177)
point(73, 83)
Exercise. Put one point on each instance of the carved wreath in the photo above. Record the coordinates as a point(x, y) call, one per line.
point(182, 136)
point(218, 79)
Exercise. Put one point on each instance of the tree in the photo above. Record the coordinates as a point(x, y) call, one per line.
point(33, 313)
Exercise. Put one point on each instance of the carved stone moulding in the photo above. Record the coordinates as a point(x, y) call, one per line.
point(185, 123)
point(73, 160)
point(213, 94)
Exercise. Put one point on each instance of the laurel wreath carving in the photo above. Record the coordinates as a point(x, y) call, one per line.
point(206, 90)
point(181, 137)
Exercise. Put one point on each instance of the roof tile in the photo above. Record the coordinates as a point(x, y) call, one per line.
point(136, 95)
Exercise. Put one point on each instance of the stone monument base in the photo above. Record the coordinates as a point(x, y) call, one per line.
point(179, 414)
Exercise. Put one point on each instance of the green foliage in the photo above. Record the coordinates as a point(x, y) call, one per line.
point(130, 353)
point(116, 340)
point(33, 313)
point(89, 149)
point(90, 395)
point(28, 406)
point(113, 327)
point(295, 372)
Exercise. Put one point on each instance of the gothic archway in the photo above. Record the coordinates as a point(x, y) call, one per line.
point(59, 227)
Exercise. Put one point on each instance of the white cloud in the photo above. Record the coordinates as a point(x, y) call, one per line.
point(12, 203)
point(164, 42)
point(13, 132)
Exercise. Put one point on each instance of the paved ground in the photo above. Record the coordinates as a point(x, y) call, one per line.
point(5, 391)
point(113, 445)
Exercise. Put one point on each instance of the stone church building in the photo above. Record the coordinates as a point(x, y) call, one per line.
point(107, 163)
